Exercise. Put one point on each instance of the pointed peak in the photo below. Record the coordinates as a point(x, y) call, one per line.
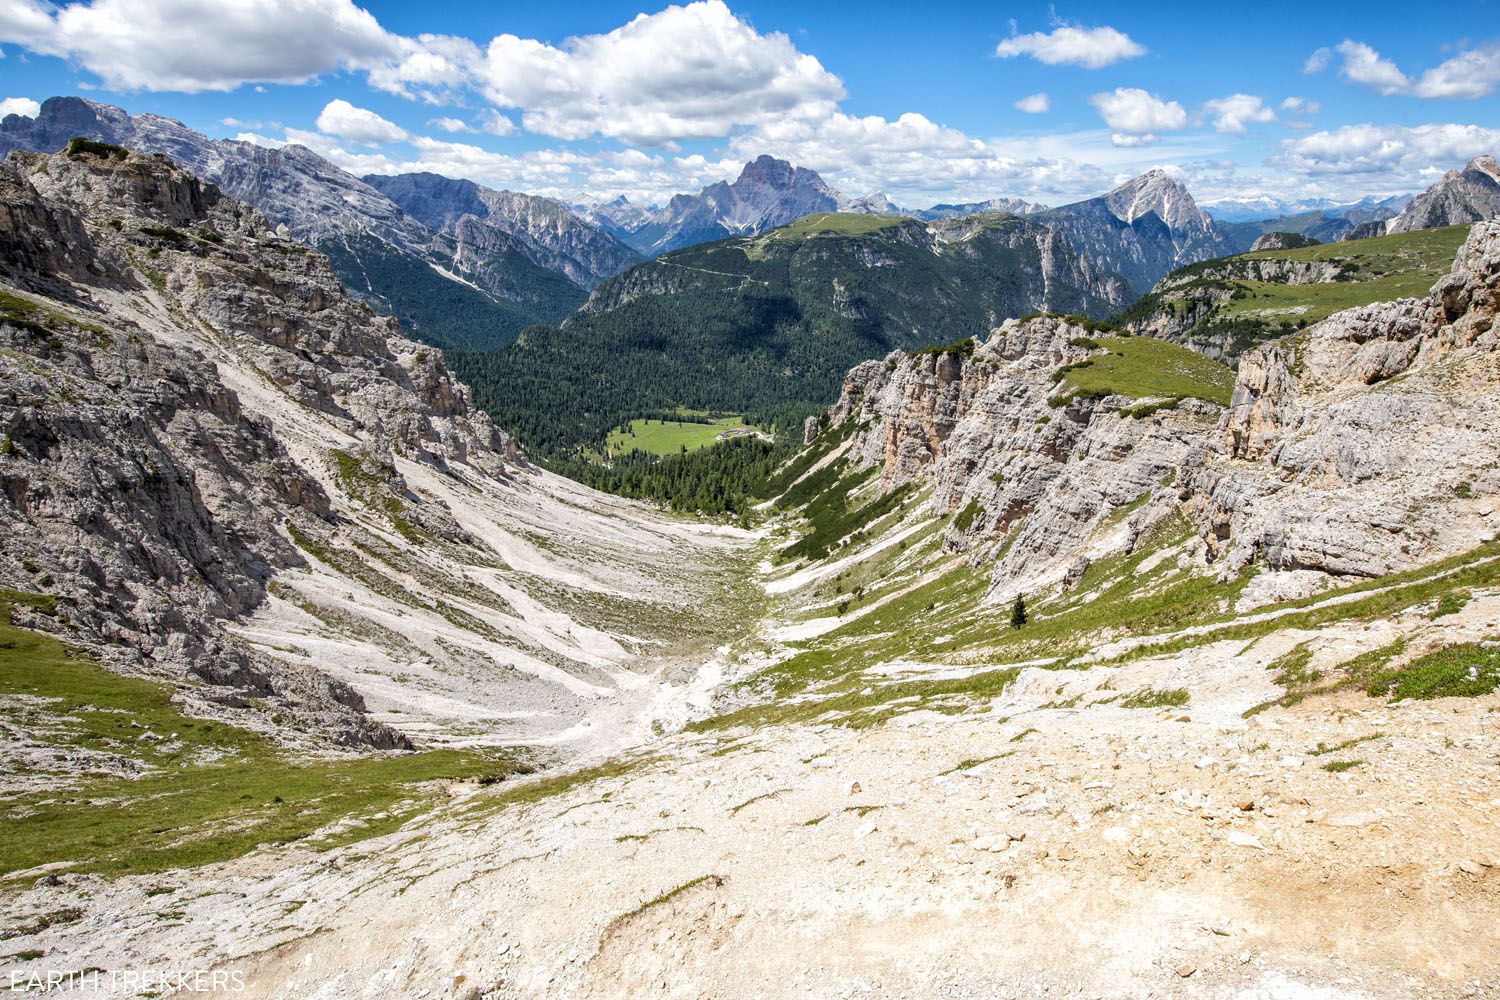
point(1157, 191)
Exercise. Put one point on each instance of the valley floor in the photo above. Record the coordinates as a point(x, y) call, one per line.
point(1049, 842)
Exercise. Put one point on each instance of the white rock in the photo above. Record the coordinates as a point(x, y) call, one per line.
point(1241, 839)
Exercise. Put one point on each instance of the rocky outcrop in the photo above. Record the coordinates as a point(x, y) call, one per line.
point(1283, 241)
point(1366, 230)
point(1360, 446)
point(1468, 195)
point(531, 256)
point(1036, 484)
point(135, 482)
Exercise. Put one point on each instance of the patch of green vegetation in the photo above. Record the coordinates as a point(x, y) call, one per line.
point(964, 519)
point(1464, 670)
point(31, 317)
point(667, 896)
point(969, 763)
point(1384, 596)
point(210, 791)
point(1143, 410)
point(834, 224)
point(1452, 603)
point(1143, 367)
point(1023, 734)
point(1339, 766)
point(1234, 307)
point(963, 348)
point(167, 233)
point(1157, 698)
point(669, 437)
point(756, 798)
point(873, 704)
point(79, 147)
point(832, 513)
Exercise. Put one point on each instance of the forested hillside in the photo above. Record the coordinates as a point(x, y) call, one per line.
point(747, 323)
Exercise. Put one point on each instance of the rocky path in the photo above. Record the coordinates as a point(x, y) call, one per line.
point(1054, 844)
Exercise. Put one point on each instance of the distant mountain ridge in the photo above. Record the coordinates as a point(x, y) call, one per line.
point(524, 260)
point(1144, 228)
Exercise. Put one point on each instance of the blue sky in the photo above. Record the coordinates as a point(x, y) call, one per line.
point(927, 102)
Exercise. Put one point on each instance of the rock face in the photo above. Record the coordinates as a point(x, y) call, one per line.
point(1042, 485)
point(240, 480)
point(1142, 229)
point(1283, 241)
point(1359, 447)
point(1354, 448)
point(543, 230)
point(1468, 195)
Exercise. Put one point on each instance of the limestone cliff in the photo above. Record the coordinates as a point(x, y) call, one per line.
point(1364, 446)
point(1035, 481)
point(1360, 447)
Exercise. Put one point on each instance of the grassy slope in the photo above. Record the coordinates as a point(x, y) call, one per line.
point(1144, 368)
point(913, 602)
point(208, 791)
point(1379, 270)
point(1373, 270)
point(840, 223)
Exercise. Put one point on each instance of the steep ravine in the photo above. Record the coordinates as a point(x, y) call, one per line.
point(240, 480)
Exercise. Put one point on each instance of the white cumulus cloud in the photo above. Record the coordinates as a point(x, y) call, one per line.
point(1364, 65)
point(19, 106)
point(1231, 114)
point(1472, 74)
point(190, 46)
point(451, 124)
point(343, 119)
point(1035, 104)
point(1135, 116)
point(1397, 153)
point(1073, 45)
point(688, 72)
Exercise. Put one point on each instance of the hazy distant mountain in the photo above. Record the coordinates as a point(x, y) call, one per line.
point(619, 217)
point(1467, 195)
point(768, 193)
point(1015, 206)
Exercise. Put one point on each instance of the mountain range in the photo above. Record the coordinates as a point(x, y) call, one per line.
point(474, 274)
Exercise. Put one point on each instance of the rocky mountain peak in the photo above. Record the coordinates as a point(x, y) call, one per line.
point(768, 171)
point(1468, 195)
point(1155, 191)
